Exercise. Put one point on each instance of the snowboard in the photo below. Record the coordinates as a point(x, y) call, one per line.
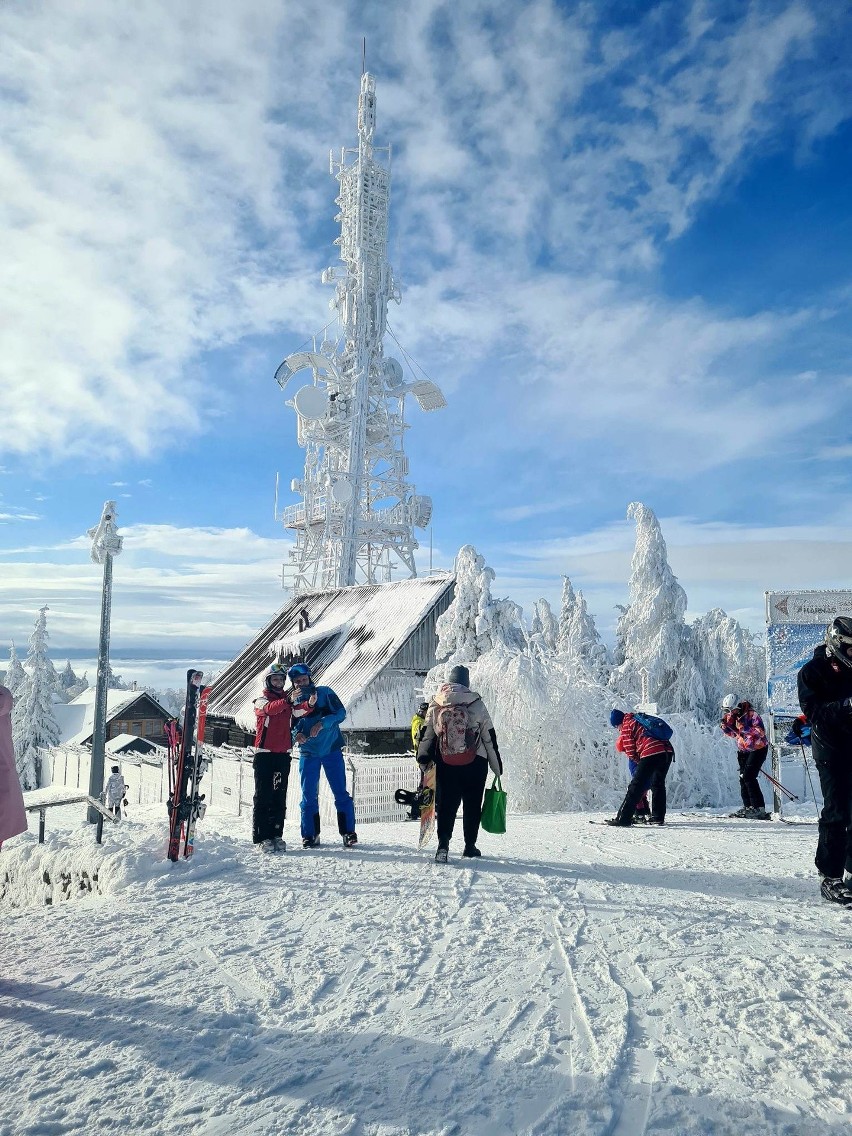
point(427, 804)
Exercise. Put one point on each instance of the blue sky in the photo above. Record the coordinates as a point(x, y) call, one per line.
point(623, 237)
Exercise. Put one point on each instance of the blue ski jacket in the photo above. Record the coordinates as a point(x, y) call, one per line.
point(329, 712)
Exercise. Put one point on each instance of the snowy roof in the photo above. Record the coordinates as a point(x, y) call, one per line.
point(76, 718)
point(122, 741)
point(351, 636)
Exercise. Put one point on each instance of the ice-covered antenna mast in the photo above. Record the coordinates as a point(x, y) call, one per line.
point(358, 510)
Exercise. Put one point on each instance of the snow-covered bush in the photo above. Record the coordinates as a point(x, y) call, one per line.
point(558, 747)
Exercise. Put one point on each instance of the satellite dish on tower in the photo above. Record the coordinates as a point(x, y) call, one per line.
point(311, 403)
point(341, 492)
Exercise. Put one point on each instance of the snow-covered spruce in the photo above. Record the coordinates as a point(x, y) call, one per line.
point(34, 724)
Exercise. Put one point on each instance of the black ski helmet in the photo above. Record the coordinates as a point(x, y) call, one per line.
point(838, 639)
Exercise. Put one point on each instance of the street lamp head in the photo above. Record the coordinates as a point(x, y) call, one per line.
point(105, 538)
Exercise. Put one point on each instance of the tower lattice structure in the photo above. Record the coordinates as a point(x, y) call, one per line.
point(355, 521)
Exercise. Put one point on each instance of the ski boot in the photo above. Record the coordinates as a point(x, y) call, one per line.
point(739, 814)
point(349, 840)
point(266, 846)
point(658, 822)
point(757, 814)
point(471, 851)
point(311, 842)
point(614, 822)
point(836, 890)
point(280, 844)
point(441, 855)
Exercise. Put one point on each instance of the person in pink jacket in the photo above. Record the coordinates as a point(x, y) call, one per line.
point(13, 819)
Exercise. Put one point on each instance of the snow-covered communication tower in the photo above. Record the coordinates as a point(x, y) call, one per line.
point(358, 509)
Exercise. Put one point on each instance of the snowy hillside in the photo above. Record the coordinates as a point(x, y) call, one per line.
point(577, 980)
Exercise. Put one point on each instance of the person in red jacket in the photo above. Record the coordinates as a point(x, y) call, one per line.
point(653, 757)
point(274, 713)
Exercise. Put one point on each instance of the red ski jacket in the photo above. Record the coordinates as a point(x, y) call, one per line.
point(274, 716)
point(635, 744)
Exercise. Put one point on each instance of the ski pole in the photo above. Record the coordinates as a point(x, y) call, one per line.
point(781, 788)
point(808, 771)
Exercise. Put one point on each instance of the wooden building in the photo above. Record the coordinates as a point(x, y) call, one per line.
point(128, 712)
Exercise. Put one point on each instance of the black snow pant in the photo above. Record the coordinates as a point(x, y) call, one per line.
point(650, 774)
point(834, 847)
point(460, 785)
point(750, 762)
point(271, 773)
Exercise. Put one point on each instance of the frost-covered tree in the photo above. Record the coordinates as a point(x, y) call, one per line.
point(652, 631)
point(79, 686)
point(34, 723)
point(15, 673)
point(67, 681)
point(584, 642)
point(729, 660)
point(566, 614)
point(544, 633)
point(114, 681)
point(474, 623)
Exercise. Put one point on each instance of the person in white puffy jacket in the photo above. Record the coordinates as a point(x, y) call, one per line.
point(114, 791)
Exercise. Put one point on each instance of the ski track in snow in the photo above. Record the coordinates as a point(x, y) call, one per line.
point(680, 981)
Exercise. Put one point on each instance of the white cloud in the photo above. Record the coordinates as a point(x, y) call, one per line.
point(164, 175)
point(171, 586)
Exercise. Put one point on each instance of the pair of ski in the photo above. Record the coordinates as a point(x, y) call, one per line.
point(186, 805)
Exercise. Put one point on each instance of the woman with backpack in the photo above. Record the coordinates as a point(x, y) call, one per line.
point(459, 737)
point(640, 739)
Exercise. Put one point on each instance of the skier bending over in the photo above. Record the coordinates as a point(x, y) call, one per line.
point(825, 695)
point(273, 712)
point(460, 739)
point(317, 714)
point(654, 757)
point(114, 791)
point(741, 721)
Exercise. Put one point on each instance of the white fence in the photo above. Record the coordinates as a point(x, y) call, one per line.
point(229, 783)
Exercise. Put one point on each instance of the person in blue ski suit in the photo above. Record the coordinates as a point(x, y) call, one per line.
point(317, 714)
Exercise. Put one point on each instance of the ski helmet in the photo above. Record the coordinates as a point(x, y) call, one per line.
point(276, 670)
point(838, 639)
point(730, 702)
point(299, 669)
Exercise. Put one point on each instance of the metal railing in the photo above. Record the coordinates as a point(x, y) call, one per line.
point(103, 813)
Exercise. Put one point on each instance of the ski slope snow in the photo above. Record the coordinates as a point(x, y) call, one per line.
point(577, 980)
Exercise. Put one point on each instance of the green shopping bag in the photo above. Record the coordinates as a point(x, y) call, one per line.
point(494, 808)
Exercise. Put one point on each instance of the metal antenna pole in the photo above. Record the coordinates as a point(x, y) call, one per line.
point(106, 543)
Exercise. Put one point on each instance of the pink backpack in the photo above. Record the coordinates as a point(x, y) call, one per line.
point(457, 739)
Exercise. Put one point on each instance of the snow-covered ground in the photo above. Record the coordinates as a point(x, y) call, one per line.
point(577, 980)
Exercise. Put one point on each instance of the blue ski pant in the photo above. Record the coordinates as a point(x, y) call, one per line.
point(335, 772)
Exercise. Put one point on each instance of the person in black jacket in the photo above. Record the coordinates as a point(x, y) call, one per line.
point(825, 695)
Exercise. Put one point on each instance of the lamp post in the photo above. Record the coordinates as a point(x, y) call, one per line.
point(106, 543)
